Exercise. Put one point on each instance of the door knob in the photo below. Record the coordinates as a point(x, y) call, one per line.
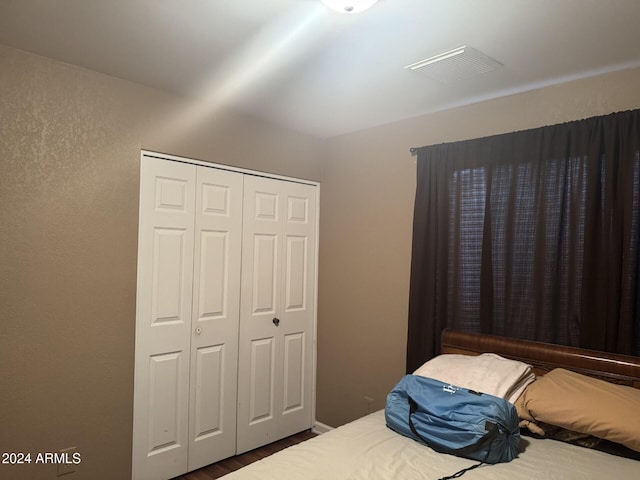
point(276, 321)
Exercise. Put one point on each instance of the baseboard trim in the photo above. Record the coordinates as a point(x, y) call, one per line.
point(321, 428)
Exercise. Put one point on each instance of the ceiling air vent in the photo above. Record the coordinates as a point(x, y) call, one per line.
point(457, 64)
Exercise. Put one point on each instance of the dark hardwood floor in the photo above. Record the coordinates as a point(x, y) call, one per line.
point(217, 470)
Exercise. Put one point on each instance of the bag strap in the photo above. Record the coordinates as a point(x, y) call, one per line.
point(459, 473)
point(487, 438)
point(490, 427)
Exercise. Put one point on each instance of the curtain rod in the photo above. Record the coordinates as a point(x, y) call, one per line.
point(413, 150)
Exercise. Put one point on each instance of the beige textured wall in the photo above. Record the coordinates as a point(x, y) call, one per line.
point(70, 143)
point(368, 187)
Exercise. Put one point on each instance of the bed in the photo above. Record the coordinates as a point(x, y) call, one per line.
point(367, 449)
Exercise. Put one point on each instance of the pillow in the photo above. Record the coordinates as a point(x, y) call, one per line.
point(540, 429)
point(583, 404)
point(545, 430)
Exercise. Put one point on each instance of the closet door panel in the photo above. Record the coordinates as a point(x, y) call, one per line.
point(296, 275)
point(294, 372)
point(261, 381)
point(165, 265)
point(213, 274)
point(277, 308)
point(298, 307)
point(164, 402)
point(265, 274)
point(259, 393)
point(208, 403)
point(214, 326)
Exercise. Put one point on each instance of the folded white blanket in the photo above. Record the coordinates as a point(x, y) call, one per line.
point(486, 373)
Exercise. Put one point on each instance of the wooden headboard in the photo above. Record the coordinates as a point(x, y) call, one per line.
point(543, 357)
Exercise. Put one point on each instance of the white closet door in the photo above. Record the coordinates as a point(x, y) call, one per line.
point(163, 326)
point(214, 328)
point(297, 308)
point(275, 373)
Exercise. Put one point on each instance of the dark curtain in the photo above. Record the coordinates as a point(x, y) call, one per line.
point(531, 235)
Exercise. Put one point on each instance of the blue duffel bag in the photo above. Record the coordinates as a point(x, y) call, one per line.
point(454, 420)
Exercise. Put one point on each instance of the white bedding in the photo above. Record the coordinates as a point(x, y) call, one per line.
point(367, 450)
point(487, 373)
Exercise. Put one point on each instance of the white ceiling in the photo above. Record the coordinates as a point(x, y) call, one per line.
point(302, 66)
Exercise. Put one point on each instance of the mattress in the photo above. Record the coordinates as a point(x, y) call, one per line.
point(367, 450)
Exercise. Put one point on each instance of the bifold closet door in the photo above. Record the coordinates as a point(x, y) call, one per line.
point(215, 318)
point(163, 324)
point(275, 365)
point(187, 319)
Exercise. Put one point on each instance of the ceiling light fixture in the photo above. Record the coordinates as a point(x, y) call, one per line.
point(349, 6)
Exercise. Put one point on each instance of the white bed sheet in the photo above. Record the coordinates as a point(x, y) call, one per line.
point(367, 450)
